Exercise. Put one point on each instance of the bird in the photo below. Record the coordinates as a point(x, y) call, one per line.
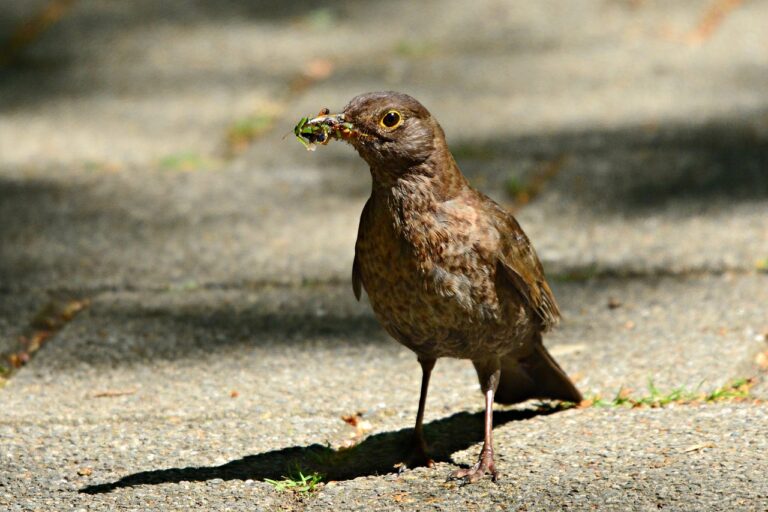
point(448, 271)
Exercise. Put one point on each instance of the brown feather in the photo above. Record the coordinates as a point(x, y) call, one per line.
point(524, 270)
point(356, 279)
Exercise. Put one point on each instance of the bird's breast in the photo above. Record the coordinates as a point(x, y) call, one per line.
point(426, 279)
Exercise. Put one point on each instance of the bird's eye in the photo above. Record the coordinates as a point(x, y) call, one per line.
point(391, 119)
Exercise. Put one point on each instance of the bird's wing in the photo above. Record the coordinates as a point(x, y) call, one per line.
point(520, 264)
point(357, 278)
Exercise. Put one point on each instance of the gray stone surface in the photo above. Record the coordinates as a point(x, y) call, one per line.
point(14, 311)
point(276, 341)
point(223, 344)
point(614, 460)
point(300, 359)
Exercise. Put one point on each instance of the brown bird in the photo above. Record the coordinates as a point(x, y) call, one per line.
point(449, 273)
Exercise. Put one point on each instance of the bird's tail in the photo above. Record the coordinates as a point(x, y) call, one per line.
point(535, 376)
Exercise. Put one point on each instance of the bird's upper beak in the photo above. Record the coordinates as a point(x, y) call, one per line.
point(331, 120)
point(324, 127)
point(335, 126)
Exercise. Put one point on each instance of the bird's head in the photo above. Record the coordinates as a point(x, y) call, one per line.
point(390, 130)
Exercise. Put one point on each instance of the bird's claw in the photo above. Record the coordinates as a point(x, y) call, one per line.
point(471, 475)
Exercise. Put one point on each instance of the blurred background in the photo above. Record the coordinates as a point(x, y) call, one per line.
point(143, 141)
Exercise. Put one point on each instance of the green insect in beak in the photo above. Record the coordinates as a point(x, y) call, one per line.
point(321, 129)
point(304, 132)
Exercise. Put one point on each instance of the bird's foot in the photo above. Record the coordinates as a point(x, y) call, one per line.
point(471, 475)
point(418, 457)
point(414, 462)
point(418, 460)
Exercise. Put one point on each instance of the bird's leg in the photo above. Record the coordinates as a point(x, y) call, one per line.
point(419, 456)
point(485, 464)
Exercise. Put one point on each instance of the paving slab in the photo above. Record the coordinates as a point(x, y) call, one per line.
point(706, 458)
point(221, 384)
point(222, 340)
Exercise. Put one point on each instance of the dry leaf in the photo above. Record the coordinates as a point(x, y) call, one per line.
point(352, 419)
point(72, 308)
point(18, 359)
point(36, 341)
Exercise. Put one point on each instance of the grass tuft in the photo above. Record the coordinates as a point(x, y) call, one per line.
point(736, 390)
point(298, 482)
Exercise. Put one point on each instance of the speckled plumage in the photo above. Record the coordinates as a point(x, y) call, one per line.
point(435, 276)
point(449, 272)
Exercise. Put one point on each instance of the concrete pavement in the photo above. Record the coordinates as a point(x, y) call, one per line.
point(223, 346)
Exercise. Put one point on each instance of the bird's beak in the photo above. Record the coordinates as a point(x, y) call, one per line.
point(334, 126)
point(331, 120)
point(324, 127)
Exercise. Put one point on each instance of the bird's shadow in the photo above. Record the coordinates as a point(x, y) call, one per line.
point(376, 455)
